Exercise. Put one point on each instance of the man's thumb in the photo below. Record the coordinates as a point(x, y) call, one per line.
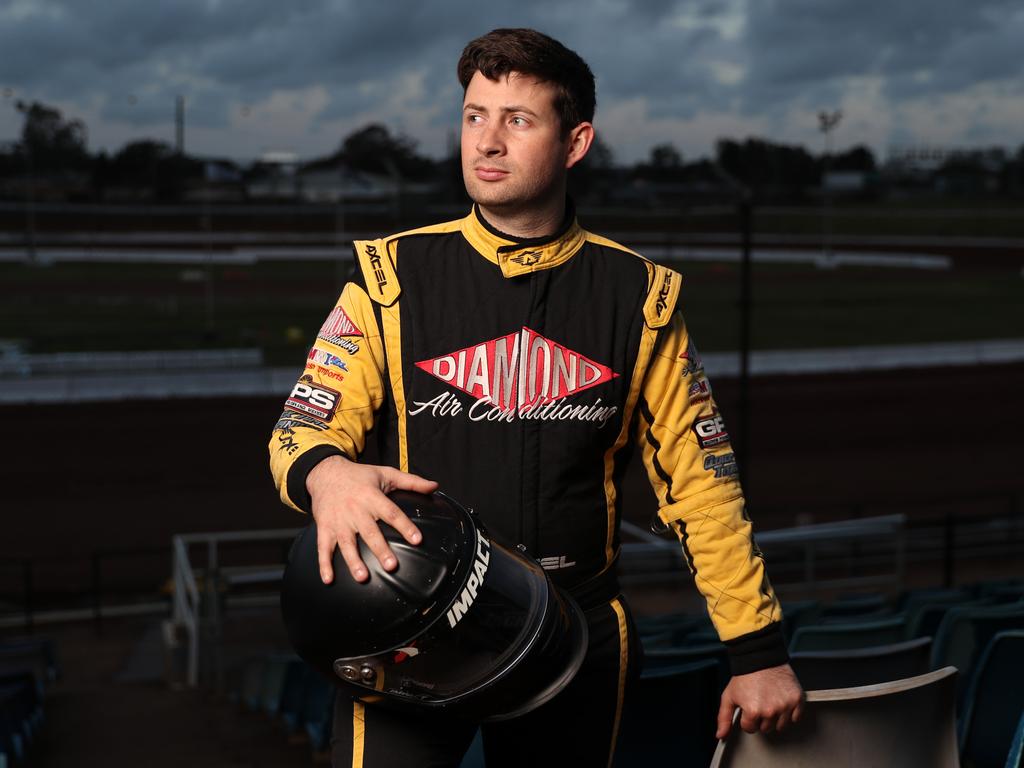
point(725, 715)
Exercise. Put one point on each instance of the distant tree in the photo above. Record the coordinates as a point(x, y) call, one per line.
point(590, 178)
point(53, 143)
point(665, 156)
point(767, 167)
point(375, 149)
point(148, 164)
point(859, 158)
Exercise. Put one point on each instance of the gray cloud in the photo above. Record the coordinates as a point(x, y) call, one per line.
point(124, 61)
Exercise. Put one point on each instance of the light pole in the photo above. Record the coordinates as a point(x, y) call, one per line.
point(827, 122)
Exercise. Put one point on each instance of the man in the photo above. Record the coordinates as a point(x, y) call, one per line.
point(512, 358)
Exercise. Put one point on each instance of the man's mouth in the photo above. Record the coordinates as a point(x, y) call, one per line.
point(489, 173)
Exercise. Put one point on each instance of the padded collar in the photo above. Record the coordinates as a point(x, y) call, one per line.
point(520, 256)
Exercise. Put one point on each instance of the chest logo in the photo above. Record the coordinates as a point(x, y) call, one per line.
point(521, 370)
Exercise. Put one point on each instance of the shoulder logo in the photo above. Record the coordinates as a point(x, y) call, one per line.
point(666, 288)
point(336, 327)
point(378, 270)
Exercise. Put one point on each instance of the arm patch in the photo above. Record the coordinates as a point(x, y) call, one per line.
point(378, 271)
point(662, 296)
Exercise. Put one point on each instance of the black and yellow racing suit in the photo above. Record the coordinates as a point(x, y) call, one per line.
point(519, 374)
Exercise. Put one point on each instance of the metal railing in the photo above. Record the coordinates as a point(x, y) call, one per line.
point(197, 605)
point(797, 550)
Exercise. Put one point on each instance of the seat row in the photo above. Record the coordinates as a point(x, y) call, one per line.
point(284, 688)
point(28, 666)
point(855, 642)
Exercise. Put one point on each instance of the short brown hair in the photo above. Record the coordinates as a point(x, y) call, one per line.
point(533, 53)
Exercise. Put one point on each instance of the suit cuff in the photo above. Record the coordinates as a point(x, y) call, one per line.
point(758, 650)
point(301, 467)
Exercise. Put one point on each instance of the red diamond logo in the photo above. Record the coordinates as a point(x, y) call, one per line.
point(338, 324)
point(520, 369)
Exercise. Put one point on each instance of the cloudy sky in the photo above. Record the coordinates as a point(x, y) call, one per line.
point(298, 75)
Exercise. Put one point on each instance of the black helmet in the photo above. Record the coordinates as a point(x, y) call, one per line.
point(463, 623)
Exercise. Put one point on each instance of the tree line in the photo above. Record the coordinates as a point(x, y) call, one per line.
point(54, 150)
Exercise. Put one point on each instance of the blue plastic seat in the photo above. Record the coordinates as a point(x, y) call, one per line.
point(843, 637)
point(670, 718)
point(907, 723)
point(658, 659)
point(861, 666)
point(994, 702)
point(963, 635)
point(1016, 757)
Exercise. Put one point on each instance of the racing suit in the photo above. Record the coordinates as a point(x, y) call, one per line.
point(519, 374)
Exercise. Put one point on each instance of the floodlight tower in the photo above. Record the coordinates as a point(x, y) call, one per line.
point(827, 122)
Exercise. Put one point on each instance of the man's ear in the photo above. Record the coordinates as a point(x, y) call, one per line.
point(578, 143)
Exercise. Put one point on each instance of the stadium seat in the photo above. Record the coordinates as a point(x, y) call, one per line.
point(252, 677)
point(906, 723)
point(474, 757)
point(923, 620)
point(842, 637)
point(862, 666)
point(964, 633)
point(670, 718)
point(298, 679)
point(668, 629)
point(318, 712)
point(915, 598)
point(799, 613)
point(1016, 757)
point(856, 605)
point(272, 685)
point(658, 659)
point(994, 703)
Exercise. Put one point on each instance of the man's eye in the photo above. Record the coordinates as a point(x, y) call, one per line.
point(518, 121)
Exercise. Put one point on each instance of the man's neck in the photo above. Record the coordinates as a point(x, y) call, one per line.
point(524, 225)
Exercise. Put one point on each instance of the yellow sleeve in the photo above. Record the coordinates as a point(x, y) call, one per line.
point(692, 468)
point(332, 405)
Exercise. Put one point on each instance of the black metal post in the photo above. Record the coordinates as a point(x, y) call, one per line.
point(27, 581)
point(742, 447)
point(97, 596)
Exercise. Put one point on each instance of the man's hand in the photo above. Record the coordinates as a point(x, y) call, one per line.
point(348, 500)
point(769, 700)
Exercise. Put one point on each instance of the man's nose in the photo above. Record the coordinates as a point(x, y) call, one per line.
point(491, 142)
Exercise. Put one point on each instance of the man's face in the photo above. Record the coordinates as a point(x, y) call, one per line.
point(514, 157)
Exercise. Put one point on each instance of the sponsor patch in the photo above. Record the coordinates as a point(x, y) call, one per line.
point(325, 371)
point(291, 419)
point(316, 400)
point(692, 362)
point(286, 437)
point(326, 359)
point(519, 370)
point(724, 465)
point(710, 431)
point(337, 330)
point(699, 391)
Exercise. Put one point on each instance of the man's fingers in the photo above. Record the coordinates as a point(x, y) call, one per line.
point(725, 714)
point(395, 478)
point(350, 552)
point(375, 540)
point(397, 519)
point(324, 549)
point(749, 723)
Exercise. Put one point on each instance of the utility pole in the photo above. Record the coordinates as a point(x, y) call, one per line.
point(179, 124)
point(827, 122)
